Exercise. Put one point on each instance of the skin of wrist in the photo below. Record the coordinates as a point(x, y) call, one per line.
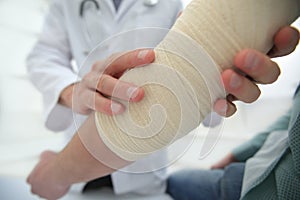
point(59, 174)
point(65, 167)
point(66, 96)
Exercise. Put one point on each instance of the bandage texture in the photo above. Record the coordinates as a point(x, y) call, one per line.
point(183, 82)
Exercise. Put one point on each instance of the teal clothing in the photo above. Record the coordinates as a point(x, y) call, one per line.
point(273, 159)
point(269, 168)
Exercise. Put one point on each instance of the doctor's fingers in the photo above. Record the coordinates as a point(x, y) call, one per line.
point(113, 87)
point(120, 62)
point(96, 102)
point(285, 41)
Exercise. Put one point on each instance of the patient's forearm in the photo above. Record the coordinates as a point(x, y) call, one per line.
point(55, 173)
point(76, 164)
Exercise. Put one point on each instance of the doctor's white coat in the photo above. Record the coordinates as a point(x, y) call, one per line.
point(68, 37)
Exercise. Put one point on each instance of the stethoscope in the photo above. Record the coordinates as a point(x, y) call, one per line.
point(149, 3)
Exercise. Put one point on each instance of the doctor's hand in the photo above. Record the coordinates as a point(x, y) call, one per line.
point(44, 179)
point(258, 68)
point(94, 91)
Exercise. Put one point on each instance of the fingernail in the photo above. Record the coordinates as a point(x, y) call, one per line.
point(252, 60)
point(224, 108)
point(221, 107)
point(235, 81)
point(132, 92)
point(142, 54)
point(116, 108)
point(294, 41)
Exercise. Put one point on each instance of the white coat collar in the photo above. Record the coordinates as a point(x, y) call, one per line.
point(124, 6)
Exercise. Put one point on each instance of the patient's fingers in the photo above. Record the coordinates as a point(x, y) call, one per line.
point(253, 67)
point(224, 108)
point(240, 86)
point(285, 42)
point(257, 66)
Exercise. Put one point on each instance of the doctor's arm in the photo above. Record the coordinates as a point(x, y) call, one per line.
point(93, 92)
point(49, 66)
point(50, 70)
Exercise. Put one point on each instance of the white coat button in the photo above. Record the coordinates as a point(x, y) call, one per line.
point(150, 3)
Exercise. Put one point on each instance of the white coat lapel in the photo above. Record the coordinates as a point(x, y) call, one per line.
point(110, 5)
point(124, 7)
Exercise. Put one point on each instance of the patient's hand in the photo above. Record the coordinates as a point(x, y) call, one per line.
point(259, 68)
point(228, 159)
point(44, 180)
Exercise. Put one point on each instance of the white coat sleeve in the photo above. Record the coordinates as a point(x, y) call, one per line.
point(50, 70)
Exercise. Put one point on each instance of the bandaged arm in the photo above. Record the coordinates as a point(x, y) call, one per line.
point(79, 160)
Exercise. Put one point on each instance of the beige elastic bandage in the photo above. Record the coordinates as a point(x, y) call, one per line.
point(178, 93)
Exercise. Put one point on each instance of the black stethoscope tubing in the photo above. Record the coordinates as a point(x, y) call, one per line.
point(81, 8)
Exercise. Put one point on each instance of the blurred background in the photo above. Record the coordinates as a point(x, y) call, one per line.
point(23, 135)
